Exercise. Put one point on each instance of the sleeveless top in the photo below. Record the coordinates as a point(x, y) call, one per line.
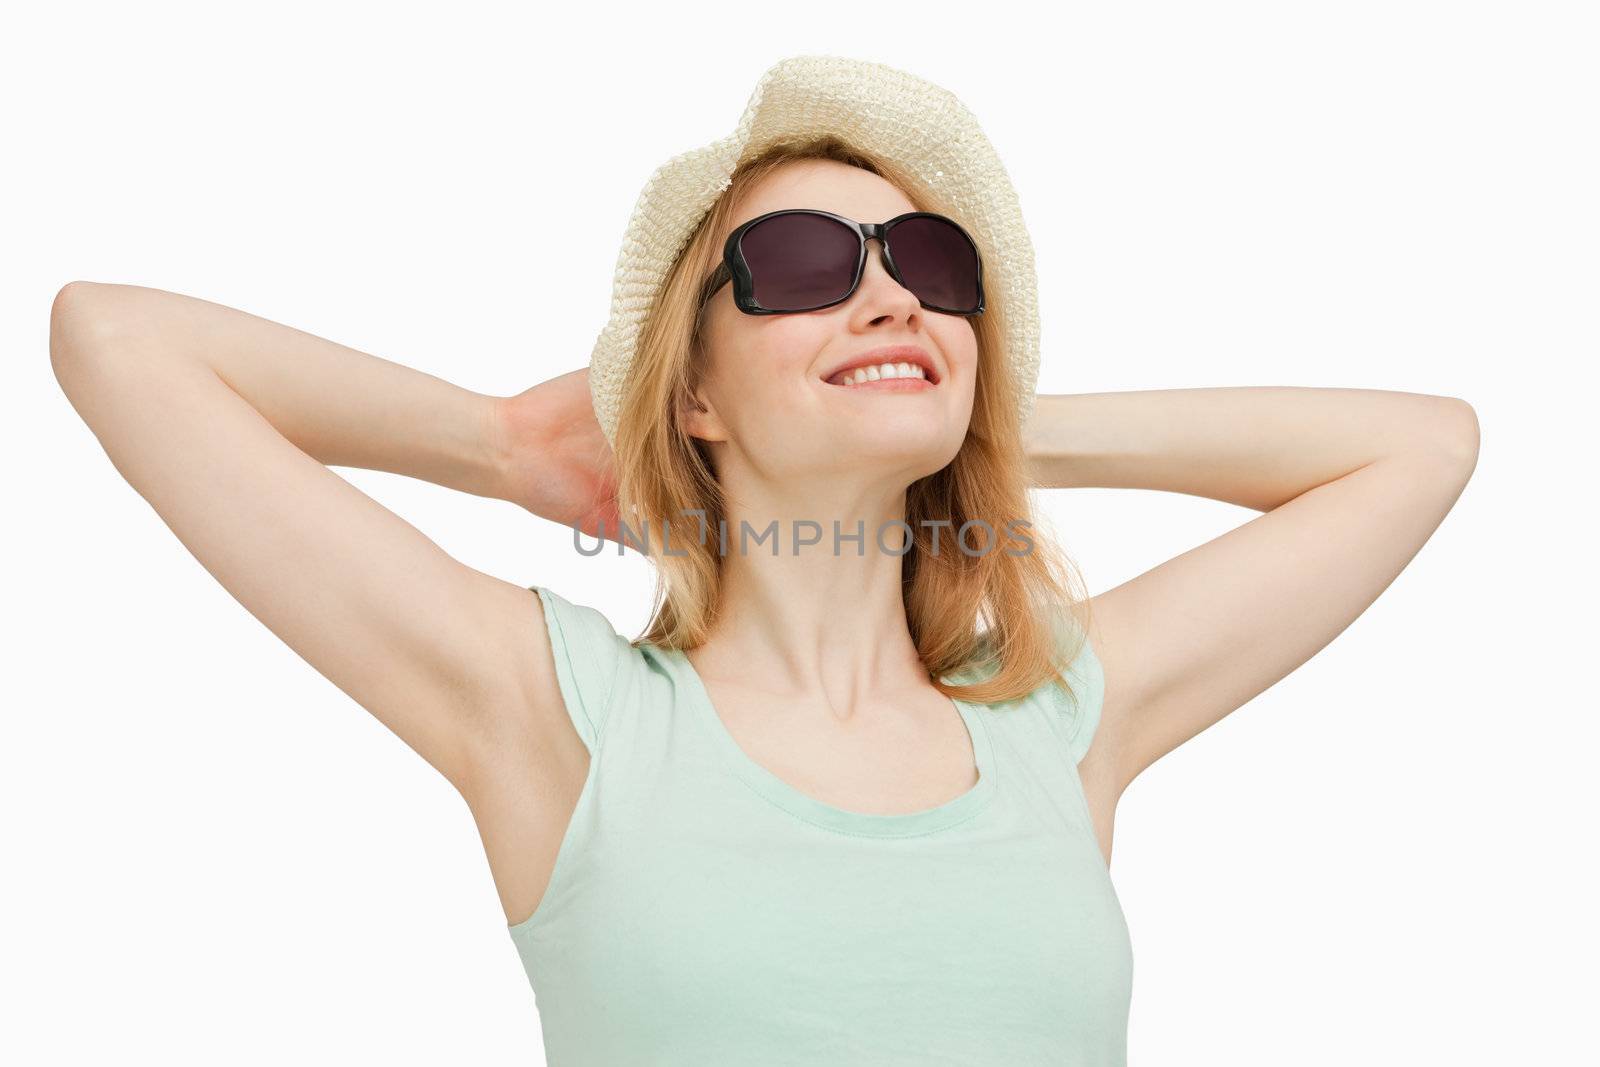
point(703, 911)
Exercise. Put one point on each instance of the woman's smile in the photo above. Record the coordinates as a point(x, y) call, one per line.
point(882, 377)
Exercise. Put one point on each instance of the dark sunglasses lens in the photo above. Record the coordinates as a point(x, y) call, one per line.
point(936, 262)
point(798, 262)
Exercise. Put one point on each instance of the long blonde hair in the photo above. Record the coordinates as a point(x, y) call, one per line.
point(1023, 593)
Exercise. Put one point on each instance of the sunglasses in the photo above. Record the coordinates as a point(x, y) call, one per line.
point(802, 259)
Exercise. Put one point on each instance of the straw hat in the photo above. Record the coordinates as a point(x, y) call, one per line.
point(912, 122)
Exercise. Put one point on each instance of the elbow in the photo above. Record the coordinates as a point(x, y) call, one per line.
point(70, 318)
point(1456, 433)
point(79, 328)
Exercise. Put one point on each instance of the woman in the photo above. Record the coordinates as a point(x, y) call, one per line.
point(815, 814)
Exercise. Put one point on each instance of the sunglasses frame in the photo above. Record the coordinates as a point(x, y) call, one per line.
point(733, 266)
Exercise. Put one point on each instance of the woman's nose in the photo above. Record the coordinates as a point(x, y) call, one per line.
point(878, 262)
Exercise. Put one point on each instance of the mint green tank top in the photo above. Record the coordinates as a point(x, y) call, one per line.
point(702, 911)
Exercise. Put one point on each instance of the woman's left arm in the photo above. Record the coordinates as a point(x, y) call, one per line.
point(1352, 482)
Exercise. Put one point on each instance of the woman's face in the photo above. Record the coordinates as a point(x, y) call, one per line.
point(765, 400)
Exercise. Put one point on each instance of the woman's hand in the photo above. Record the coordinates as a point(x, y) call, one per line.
point(559, 464)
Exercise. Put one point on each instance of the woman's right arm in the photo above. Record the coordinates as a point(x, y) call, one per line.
point(224, 421)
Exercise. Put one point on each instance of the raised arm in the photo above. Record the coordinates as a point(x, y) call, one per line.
point(1353, 482)
point(224, 422)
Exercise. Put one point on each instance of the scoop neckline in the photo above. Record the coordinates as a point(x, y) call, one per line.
point(819, 813)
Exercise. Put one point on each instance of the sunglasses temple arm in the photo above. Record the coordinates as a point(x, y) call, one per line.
point(719, 277)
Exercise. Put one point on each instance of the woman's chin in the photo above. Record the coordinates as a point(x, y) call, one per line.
point(892, 438)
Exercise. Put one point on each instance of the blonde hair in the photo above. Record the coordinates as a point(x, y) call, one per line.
point(1024, 594)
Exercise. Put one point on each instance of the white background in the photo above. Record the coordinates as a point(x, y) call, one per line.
point(216, 856)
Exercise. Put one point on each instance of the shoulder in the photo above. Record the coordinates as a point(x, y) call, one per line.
point(1071, 704)
point(590, 658)
point(1080, 693)
point(555, 664)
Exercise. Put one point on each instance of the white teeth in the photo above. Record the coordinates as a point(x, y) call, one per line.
point(881, 371)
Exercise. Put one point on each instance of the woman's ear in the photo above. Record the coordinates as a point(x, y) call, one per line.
point(697, 418)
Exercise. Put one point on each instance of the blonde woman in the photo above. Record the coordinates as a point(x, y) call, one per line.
point(817, 813)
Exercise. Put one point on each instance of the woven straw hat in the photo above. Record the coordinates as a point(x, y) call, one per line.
point(912, 122)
